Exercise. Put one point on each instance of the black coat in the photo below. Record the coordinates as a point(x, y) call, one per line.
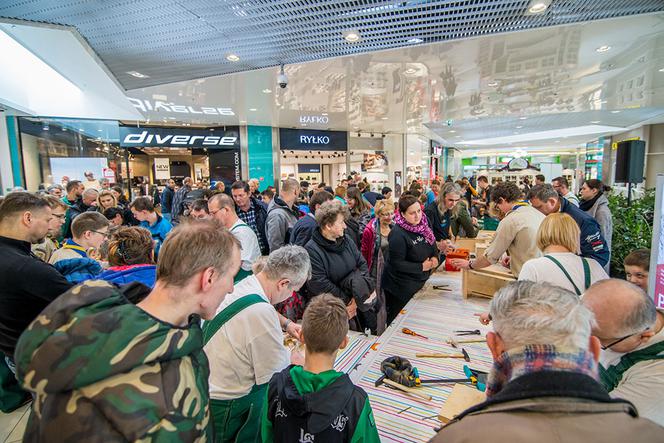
point(27, 286)
point(167, 200)
point(331, 262)
point(403, 275)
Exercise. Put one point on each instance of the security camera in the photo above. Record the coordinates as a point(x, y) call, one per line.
point(282, 79)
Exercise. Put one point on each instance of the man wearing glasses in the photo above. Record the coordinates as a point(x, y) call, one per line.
point(631, 332)
point(73, 260)
point(49, 244)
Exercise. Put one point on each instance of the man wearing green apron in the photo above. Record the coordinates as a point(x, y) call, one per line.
point(244, 343)
point(631, 332)
point(222, 208)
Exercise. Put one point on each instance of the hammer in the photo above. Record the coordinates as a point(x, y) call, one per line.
point(463, 355)
point(455, 343)
point(410, 391)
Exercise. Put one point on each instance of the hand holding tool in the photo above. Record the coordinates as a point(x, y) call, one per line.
point(463, 355)
point(413, 333)
point(455, 343)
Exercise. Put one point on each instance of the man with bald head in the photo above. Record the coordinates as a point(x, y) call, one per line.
point(631, 332)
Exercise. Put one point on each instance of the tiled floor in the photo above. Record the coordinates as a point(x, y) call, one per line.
point(12, 426)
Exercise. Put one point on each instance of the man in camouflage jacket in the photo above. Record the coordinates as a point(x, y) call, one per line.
point(108, 364)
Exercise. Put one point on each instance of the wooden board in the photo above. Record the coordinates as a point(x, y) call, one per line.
point(484, 282)
point(461, 398)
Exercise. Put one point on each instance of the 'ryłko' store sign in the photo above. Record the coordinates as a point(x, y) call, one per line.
point(310, 140)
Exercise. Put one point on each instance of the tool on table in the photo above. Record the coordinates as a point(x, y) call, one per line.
point(402, 372)
point(442, 288)
point(455, 343)
point(465, 332)
point(410, 391)
point(413, 333)
point(463, 355)
point(473, 377)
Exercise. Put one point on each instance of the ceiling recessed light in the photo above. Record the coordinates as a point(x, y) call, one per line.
point(253, 109)
point(137, 74)
point(351, 36)
point(557, 141)
point(661, 70)
point(243, 121)
point(492, 84)
point(452, 131)
point(538, 6)
point(615, 112)
point(383, 118)
point(323, 113)
point(423, 106)
point(410, 71)
point(267, 91)
point(80, 129)
point(99, 130)
point(595, 121)
point(523, 118)
point(603, 48)
point(415, 40)
point(457, 136)
point(233, 58)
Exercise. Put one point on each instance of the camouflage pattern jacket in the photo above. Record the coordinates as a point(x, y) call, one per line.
point(103, 370)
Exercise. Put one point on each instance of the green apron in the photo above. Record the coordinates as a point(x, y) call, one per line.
point(242, 274)
point(586, 274)
point(237, 420)
point(611, 377)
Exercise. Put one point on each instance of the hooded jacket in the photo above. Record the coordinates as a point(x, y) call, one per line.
point(326, 407)
point(123, 275)
point(331, 262)
point(600, 211)
point(103, 370)
point(279, 223)
point(74, 264)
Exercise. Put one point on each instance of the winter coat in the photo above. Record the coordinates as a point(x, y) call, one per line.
point(167, 200)
point(593, 244)
point(360, 285)
point(548, 407)
point(123, 275)
point(403, 275)
point(303, 230)
point(331, 262)
point(279, 223)
point(440, 223)
point(103, 370)
point(600, 211)
point(75, 265)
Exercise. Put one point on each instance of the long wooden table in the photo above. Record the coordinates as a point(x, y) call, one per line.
point(435, 314)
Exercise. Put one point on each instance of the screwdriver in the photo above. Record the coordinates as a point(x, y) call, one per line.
point(413, 333)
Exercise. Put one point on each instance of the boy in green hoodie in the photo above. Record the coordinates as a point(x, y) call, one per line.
point(315, 402)
point(108, 364)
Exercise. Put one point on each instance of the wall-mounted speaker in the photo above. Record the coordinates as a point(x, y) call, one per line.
point(630, 161)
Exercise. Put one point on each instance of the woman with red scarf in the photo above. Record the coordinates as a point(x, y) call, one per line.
point(412, 257)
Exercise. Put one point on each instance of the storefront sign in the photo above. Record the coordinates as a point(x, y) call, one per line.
point(162, 168)
point(308, 169)
point(309, 140)
point(314, 119)
point(131, 137)
point(172, 108)
point(225, 166)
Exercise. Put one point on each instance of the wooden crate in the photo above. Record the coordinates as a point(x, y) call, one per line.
point(485, 282)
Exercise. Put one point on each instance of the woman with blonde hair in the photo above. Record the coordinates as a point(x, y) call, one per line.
point(130, 257)
point(558, 238)
point(106, 200)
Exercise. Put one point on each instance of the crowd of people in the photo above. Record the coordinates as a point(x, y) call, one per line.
point(198, 286)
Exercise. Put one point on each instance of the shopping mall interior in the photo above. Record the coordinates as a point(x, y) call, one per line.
point(394, 92)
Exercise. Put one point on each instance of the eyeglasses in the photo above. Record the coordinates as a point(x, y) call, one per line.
point(604, 348)
point(105, 234)
point(60, 216)
point(211, 212)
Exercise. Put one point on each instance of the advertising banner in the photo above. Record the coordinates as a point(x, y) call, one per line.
point(656, 274)
point(162, 168)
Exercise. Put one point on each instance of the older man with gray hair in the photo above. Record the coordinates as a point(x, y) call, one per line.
point(244, 342)
point(631, 332)
point(543, 385)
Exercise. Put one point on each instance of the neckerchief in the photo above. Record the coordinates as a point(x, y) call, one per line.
point(535, 358)
point(71, 244)
point(518, 205)
point(421, 228)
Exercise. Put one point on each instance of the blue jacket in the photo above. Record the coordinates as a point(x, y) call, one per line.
point(593, 244)
point(146, 274)
point(77, 270)
point(303, 229)
point(159, 231)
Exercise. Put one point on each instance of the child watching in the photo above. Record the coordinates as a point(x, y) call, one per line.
point(637, 267)
point(143, 210)
point(315, 402)
point(89, 230)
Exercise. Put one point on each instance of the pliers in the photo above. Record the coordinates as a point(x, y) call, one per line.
point(474, 332)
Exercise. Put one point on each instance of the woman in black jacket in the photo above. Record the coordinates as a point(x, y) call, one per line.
point(412, 255)
point(447, 214)
point(334, 256)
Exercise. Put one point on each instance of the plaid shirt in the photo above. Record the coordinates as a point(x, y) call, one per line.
point(249, 218)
